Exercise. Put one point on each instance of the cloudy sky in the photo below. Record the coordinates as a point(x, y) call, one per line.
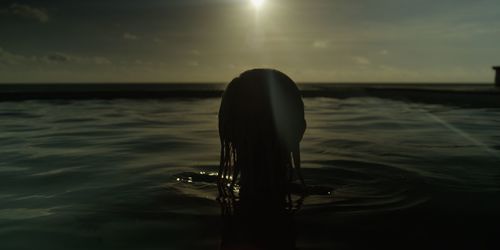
point(214, 40)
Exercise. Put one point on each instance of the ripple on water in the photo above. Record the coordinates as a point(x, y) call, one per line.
point(24, 213)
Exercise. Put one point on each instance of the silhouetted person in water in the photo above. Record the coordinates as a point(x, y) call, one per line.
point(261, 123)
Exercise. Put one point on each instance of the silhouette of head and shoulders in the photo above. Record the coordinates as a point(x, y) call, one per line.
point(261, 124)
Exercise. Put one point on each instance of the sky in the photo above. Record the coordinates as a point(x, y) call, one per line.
point(215, 40)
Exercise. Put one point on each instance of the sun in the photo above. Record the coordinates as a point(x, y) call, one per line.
point(257, 3)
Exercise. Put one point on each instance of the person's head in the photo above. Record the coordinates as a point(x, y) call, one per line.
point(261, 123)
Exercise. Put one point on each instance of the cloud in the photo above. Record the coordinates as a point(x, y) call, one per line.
point(361, 60)
point(320, 44)
point(193, 63)
point(11, 59)
point(194, 52)
point(28, 12)
point(128, 36)
point(101, 60)
point(143, 62)
point(8, 58)
point(59, 58)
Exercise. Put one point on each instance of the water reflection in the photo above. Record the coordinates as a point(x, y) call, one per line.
point(258, 223)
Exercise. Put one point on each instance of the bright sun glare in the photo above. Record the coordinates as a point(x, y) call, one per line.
point(257, 3)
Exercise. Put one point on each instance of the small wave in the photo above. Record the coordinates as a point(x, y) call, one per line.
point(23, 213)
point(340, 190)
point(59, 171)
point(19, 115)
point(367, 186)
point(74, 120)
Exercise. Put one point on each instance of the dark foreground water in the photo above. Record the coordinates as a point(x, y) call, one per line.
point(103, 174)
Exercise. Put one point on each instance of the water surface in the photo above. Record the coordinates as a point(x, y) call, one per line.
point(103, 174)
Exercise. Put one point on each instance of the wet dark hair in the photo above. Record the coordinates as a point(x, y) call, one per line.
point(261, 123)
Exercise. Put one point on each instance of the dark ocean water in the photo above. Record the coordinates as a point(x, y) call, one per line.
point(103, 174)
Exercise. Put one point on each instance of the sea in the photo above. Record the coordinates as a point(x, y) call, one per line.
point(124, 173)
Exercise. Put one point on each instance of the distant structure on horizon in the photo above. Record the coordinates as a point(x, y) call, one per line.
point(497, 76)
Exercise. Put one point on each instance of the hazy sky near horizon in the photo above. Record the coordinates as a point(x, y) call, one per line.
point(215, 40)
